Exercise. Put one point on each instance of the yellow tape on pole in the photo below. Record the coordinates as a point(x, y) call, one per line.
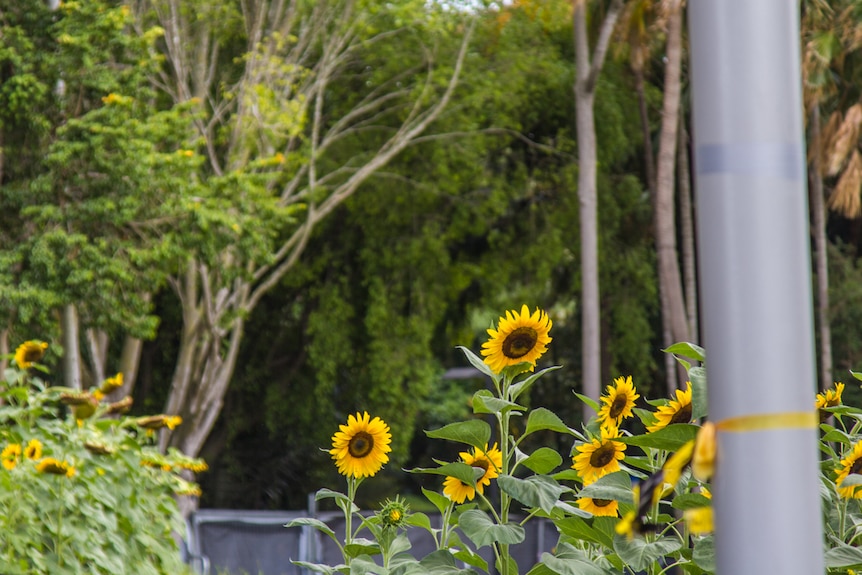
point(765, 421)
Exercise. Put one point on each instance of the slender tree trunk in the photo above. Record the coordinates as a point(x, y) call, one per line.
point(686, 219)
point(72, 349)
point(4, 350)
point(674, 323)
point(821, 272)
point(649, 156)
point(97, 341)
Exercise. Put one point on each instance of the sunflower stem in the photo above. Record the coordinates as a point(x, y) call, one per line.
point(352, 484)
point(505, 500)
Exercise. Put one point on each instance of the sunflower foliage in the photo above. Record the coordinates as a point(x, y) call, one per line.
point(83, 488)
point(631, 496)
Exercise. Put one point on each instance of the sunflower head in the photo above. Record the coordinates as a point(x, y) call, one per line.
point(490, 461)
point(599, 457)
point(519, 338)
point(55, 467)
point(33, 449)
point(112, 384)
point(677, 410)
point(619, 401)
point(29, 353)
point(11, 454)
point(599, 507)
point(851, 464)
point(828, 398)
point(394, 513)
point(360, 448)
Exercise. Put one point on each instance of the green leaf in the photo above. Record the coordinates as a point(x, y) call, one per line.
point(541, 418)
point(699, 398)
point(581, 529)
point(523, 386)
point(535, 491)
point(316, 523)
point(572, 565)
point(589, 401)
point(473, 432)
point(440, 562)
point(843, 556)
point(364, 565)
point(640, 554)
point(856, 374)
point(477, 362)
point(319, 567)
point(616, 486)
point(419, 519)
point(467, 556)
point(441, 502)
point(360, 546)
point(479, 528)
point(688, 350)
point(461, 471)
point(668, 438)
point(703, 554)
point(542, 461)
point(690, 501)
point(485, 402)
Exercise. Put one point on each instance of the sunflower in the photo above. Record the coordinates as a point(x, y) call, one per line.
point(360, 448)
point(29, 352)
point(618, 403)
point(10, 455)
point(599, 507)
point(703, 458)
point(33, 449)
point(519, 337)
point(830, 397)
point(599, 457)
point(112, 384)
point(676, 411)
point(55, 467)
point(851, 464)
point(490, 460)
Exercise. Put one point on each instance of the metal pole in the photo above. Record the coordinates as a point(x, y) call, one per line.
point(756, 285)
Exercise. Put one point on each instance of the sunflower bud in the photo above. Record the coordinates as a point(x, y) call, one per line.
point(394, 513)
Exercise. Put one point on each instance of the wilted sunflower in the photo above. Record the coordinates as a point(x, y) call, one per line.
point(618, 403)
point(33, 449)
point(519, 337)
point(490, 460)
point(360, 448)
point(676, 411)
point(11, 454)
point(851, 464)
point(599, 457)
point(29, 352)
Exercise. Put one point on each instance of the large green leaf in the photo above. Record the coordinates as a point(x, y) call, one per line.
point(704, 553)
point(485, 402)
point(477, 362)
point(668, 438)
point(482, 531)
point(589, 401)
point(473, 432)
point(615, 486)
point(541, 418)
point(542, 461)
point(843, 556)
point(535, 491)
point(520, 387)
point(360, 546)
point(319, 567)
point(688, 350)
point(364, 565)
point(316, 523)
point(699, 396)
point(581, 529)
point(461, 471)
point(572, 565)
point(639, 553)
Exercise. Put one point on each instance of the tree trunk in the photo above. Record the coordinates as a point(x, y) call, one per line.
point(97, 341)
point(649, 156)
point(670, 285)
point(71, 347)
point(686, 219)
point(821, 272)
point(4, 351)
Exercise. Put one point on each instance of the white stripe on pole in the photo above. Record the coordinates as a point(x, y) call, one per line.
point(755, 282)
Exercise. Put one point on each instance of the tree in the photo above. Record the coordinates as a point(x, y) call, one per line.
point(588, 67)
point(277, 151)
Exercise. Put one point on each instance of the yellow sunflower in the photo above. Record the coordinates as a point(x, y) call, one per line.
point(29, 352)
point(490, 460)
point(599, 507)
point(519, 337)
point(55, 467)
point(618, 403)
point(33, 449)
point(360, 448)
point(11, 454)
point(830, 397)
point(112, 384)
point(599, 457)
point(851, 464)
point(676, 411)
point(703, 458)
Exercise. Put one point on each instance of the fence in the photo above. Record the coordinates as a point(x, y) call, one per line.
point(236, 542)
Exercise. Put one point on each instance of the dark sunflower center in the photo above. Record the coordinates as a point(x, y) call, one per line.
point(360, 445)
point(520, 342)
point(603, 455)
point(32, 354)
point(618, 405)
point(856, 467)
point(683, 415)
point(602, 502)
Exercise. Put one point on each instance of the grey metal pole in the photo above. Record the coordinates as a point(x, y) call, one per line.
point(755, 277)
